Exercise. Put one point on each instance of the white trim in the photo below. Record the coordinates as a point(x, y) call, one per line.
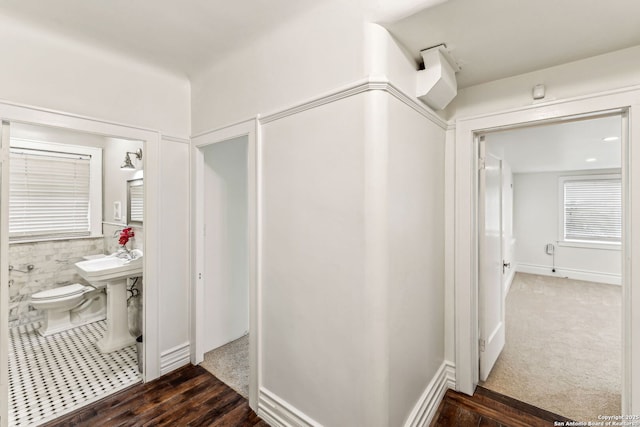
point(4, 274)
point(34, 111)
point(250, 129)
point(175, 139)
point(279, 413)
point(624, 100)
point(221, 128)
point(175, 358)
point(427, 406)
point(570, 273)
point(554, 103)
point(355, 88)
point(589, 245)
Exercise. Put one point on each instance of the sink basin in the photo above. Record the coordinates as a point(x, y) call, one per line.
point(109, 268)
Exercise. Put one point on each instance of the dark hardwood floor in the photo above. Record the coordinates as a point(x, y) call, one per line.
point(189, 396)
point(489, 409)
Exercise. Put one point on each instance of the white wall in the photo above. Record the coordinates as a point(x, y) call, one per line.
point(174, 249)
point(48, 70)
point(613, 70)
point(320, 353)
point(226, 281)
point(313, 53)
point(416, 256)
point(115, 179)
point(338, 291)
point(536, 222)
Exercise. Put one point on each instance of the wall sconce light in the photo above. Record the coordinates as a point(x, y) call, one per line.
point(127, 160)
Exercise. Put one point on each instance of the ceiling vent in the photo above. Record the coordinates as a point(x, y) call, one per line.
point(436, 84)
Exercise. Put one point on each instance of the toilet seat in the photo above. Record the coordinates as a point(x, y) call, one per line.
point(62, 292)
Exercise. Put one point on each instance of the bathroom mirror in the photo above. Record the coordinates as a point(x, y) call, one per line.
point(135, 201)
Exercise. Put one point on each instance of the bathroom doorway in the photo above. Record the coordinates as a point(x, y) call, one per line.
point(225, 258)
point(67, 199)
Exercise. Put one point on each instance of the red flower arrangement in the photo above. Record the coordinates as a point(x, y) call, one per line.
point(125, 235)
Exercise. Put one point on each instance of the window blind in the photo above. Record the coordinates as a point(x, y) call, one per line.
point(593, 210)
point(48, 194)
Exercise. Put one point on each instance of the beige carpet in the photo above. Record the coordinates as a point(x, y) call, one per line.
point(563, 347)
point(230, 364)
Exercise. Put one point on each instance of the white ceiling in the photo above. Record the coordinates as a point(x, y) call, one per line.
point(493, 39)
point(561, 146)
point(179, 36)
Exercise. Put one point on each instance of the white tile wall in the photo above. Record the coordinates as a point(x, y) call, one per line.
point(53, 266)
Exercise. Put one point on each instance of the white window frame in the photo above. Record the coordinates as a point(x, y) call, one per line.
point(95, 183)
point(592, 244)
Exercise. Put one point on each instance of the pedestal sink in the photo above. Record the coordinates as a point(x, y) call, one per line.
point(114, 271)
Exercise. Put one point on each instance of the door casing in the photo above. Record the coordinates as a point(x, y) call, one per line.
point(465, 266)
point(250, 130)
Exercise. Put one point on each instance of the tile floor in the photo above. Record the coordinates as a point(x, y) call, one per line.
point(55, 375)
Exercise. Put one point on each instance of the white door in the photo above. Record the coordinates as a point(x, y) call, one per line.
point(491, 299)
point(4, 274)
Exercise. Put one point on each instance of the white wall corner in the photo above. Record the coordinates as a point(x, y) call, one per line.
point(175, 358)
point(427, 406)
point(279, 413)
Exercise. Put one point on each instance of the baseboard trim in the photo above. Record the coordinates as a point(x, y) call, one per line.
point(426, 407)
point(278, 413)
point(590, 276)
point(175, 358)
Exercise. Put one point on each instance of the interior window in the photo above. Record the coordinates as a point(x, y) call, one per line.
point(50, 190)
point(592, 208)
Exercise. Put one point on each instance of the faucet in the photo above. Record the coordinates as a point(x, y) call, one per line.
point(127, 254)
point(124, 253)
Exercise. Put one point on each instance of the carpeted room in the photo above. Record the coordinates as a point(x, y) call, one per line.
point(563, 346)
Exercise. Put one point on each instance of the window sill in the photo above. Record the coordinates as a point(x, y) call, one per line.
point(54, 239)
point(591, 245)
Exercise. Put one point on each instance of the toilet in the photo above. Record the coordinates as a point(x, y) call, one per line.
point(69, 306)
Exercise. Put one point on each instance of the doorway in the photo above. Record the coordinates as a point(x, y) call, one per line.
point(464, 232)
point(226, 272)
point(225, 287)
point(558, 265)
point(59, 191)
